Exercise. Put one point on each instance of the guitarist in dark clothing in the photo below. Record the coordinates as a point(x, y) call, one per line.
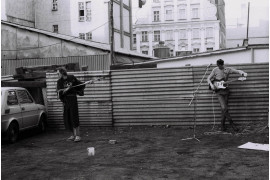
point(220, 73)
point(68, 96)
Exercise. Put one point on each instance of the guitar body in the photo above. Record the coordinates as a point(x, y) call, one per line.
point(219, 84)
point(222, 84)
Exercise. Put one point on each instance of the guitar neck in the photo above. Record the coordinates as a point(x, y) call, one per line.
point(226, 82)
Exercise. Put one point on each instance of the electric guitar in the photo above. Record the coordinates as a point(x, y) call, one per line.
point(220, 84)
point(61, 92)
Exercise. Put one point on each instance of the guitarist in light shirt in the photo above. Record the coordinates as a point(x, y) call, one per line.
point(221, 73)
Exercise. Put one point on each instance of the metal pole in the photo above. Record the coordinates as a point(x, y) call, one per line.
point(112, 34)
point(248, 20)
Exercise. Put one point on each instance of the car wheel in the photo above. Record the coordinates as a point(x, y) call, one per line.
point(41, 124)
point(13, 132)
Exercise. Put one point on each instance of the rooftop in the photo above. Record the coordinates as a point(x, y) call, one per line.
point(93, 44)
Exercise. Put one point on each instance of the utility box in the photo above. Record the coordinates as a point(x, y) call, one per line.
point(162, 51)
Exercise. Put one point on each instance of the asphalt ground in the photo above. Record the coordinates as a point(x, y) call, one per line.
point(145, 152)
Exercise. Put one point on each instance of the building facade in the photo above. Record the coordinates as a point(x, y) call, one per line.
point(183, 25)
point(85, 19)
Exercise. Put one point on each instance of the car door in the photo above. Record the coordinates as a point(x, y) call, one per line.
point(29, 109)
point(11, 109)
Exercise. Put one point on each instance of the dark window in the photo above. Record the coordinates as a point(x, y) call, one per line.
point(144, 36)
point(145, 52)
point(55, 28)
point(156, 15)
point(24, 97)
point(134, 38)
point(54, 5)
point(89, 36)
point(156, 36)
point(81, 11)
point(196, 50)
point(81, 35)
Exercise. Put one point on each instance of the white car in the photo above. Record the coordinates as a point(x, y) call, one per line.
point(20, 112)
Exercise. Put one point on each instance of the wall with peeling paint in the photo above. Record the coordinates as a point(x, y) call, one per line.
point(19, 12)
point(19, 43)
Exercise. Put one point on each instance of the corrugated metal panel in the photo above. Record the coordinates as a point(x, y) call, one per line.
point(152, 96)
point(7, 78)
point(162, 96)
point(94, 62)
point(94, 107)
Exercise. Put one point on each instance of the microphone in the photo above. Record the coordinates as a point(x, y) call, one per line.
point(209, 65)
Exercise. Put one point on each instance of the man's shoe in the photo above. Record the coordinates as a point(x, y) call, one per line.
point(71, 138)
point(77, 139)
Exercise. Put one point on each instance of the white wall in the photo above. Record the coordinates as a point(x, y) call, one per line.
point(240, 57)
point(261, 55)
point(98, 23)
point(46, 18)
point(19, 12)
point(3, 10)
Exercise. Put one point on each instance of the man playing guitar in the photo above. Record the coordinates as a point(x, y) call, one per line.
point(68, 95)
point(221, 74)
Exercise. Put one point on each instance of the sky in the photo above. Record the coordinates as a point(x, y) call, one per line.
point(259, 10)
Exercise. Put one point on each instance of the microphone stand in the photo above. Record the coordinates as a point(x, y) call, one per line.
point(195, 106)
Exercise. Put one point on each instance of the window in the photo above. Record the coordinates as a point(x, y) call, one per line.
point(156, 35)
point(169, 35)
point(209, 32)
point(88, 11)
point(54, 5)
point(196, 33)
point(81, 35)
point(81, 11)
point(156, 15)
point(209, 49)
point(182, 34)
point(145, 52)
point(196, 50)
point(55, 28)
point(89, 36)
point(195, 13)
point(144, 36)
point(169, 14)
point(24, 97)
point(134, 39)
point(178, 53)
point(12, 98)
point(182, 14)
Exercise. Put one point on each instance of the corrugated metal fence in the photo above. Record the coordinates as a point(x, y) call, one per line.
point(162, 97)
point(94, 62)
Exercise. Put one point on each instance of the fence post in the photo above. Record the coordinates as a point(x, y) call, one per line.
point(111, 94)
